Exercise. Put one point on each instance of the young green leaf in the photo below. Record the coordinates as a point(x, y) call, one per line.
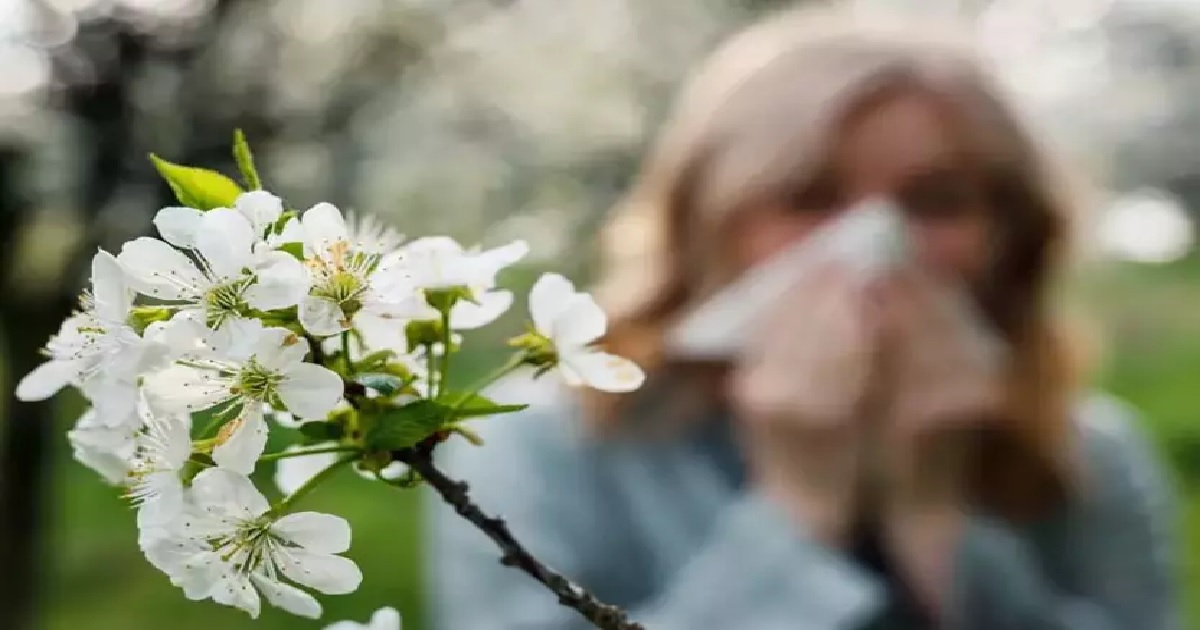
point(460, 406)
point(245, 160)
point(402, 427)
point(314, 432)
point(197, 187)
point(295, 249)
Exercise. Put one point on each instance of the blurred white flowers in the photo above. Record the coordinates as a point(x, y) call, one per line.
point(571, 322)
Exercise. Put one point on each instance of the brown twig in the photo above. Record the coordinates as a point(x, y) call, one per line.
point(455, 493)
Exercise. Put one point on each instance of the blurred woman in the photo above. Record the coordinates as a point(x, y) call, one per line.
point(731, 496)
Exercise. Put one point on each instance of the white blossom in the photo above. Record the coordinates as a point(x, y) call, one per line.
point(232, 548)
point(263, 365)
point(439, 262)
point(105, 446)
point(163, 447)
point(95, 348)
point(179, 226)
point(383, 619)
point(350, 277)
point(228, 274)
point(572, 322)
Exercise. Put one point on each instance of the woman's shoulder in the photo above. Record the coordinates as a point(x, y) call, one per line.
point(1114, 445)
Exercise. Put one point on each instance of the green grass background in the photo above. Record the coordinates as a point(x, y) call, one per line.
point(94, 578)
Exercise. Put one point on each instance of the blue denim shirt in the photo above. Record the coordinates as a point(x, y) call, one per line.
point(664, 528)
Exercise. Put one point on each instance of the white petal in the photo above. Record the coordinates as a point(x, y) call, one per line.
point(321, 317)
point(323, 226)
point(236, 590)
point(246, 442)
point(580, 322)
point(469, 316)
point(166, 503)
point(282, 281)
point(260, 207)
point(278, 349)
point(293, 472)
point(310, 391)
point(159, 270)
point(226, 241)
point(493, 260)
point(178, 225)
point(287, 597)
point(327, 573)
point(110, 288)
point(105, 450)
point(549, 296)
point(238, 338)
point(321, 533)
point(602, 371)
point(172, 554)
point(183, 389)
point(386, 618)
point(46, 379)
point(219, 486)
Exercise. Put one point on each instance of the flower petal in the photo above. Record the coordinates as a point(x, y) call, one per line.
point(317, 532)
point(493, 260)
point(491, 305)
point(183, 389)
point(310, 391)
point(287, 597)
point(178, 225)
point(547, 299)
point(246, 441)
point(282, 281)
point(220, 486)
point(580, 322)
point(323, 226)
point(46, 379)
point(321, 317)
point(602, 371)
point(235, 589)
point(226, 241)
point(261, 208)
point(327, 573)
point(110, 288)
point(165, 503)
point(293, 472)
point(159, 270)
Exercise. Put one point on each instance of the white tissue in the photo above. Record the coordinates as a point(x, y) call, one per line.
point(869, 238)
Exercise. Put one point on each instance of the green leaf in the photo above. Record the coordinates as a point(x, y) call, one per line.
point(198, 187)
point(374, 360)
point(322, 431)
point(245, 160)
point(295, 249)
point(402, 427)
point(460, 406)
point(385, 384)
point(283, 220)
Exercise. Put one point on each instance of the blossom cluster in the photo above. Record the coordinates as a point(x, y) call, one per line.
point(244, 316)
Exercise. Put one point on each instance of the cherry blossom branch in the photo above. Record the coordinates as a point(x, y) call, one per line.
point(455, 493)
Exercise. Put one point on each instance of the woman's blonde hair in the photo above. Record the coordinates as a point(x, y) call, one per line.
point(756, 126)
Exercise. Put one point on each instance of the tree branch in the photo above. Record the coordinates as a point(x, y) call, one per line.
point(455, 493)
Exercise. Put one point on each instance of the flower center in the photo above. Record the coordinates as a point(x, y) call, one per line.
point(225, 300)
point(257, 382)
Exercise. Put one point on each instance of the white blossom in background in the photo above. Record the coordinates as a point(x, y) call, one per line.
point(350, 277)
point(232, 549)
point(95, 349)
point(229, 271)
point(383, 619)
point(572, 322)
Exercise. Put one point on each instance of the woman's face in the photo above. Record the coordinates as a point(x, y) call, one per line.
point(905, 147)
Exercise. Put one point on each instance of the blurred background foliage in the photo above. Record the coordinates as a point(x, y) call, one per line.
point(489, 120)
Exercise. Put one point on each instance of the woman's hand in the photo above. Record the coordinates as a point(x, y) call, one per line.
point(798, 395)
point(944, 385)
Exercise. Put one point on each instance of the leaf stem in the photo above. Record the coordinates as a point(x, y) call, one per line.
point(316, 480)
point(514, 362)
point(315, 451)
point(444, 362)
point(346, 353)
